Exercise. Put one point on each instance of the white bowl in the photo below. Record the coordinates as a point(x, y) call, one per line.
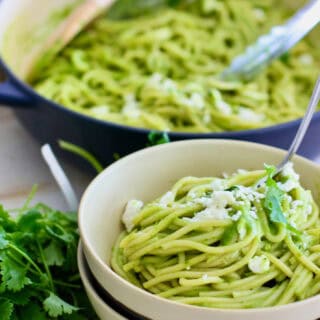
point(146, 175)
point(103, 310)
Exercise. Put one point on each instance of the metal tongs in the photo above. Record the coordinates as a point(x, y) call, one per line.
point(274, 44)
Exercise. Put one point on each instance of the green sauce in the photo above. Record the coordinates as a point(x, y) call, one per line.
point(160, 71)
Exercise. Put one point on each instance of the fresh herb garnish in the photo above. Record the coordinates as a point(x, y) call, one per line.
point(273, 199)
point(156, 138)
point(274, 196)
point(86, 155)
point(39, 277)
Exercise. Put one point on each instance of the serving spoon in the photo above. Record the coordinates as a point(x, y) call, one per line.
point(244, 67)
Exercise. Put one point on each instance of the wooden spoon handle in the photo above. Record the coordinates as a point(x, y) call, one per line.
point(80, 18)
point(69, 28)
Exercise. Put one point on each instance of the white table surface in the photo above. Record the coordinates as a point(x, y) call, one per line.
point(21, 167)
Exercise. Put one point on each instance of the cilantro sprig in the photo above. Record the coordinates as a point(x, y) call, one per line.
point(38, 268)
point(156, 138)
point(273, 200)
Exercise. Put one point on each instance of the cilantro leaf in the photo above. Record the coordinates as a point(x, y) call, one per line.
point(6, 309)
point(30, 221)
point(156, 138)
point(3, 241)
point(273, 199)
point(13, 275)
point(53, 254)
point(5, 221)
point(273, 203)
point(38, 256)
point(20, 298)
point(33, 311)
point(55, 306)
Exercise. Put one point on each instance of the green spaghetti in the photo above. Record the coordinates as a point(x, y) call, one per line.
point(160, 71)
point(224, 242)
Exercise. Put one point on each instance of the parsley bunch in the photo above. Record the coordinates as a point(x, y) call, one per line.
point(39, 278)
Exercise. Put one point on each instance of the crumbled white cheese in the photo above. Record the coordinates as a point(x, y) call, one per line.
point(195, 101)
point(164, 84)
point(205, 277)
point(167, 198)
point(210, 214)
point(131, 107)
point(217, 209)
point(133, 208)
point(192, 194)
point(259, 264)
point(169, 85)
point(218, 185)
point(253, 213)
point(221, 199)
point(100, 111)
point(221, 105)
point(207, 118)
point(296, 203)
point(249, 115)
point(259, 14)
point(241, 230)
point(247, 193)
point(155, 79)
point(236, 216)
point(288, 198)
point(204, 201)
point(306, 59)
point(292, 181)
point(287, 186)
point(289, 172)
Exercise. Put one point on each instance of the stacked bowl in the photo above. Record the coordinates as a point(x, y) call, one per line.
point(149, 173)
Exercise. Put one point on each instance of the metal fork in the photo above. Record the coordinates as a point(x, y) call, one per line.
point(274, 44)
point(302, 130)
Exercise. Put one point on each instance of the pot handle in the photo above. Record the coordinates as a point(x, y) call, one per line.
point(10, 95)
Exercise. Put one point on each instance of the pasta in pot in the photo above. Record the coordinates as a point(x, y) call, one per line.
point(224, 242)
point(160, 71)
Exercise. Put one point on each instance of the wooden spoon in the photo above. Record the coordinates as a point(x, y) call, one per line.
point(81, 16)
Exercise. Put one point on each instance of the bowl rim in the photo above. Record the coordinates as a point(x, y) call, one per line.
point(143, 293)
